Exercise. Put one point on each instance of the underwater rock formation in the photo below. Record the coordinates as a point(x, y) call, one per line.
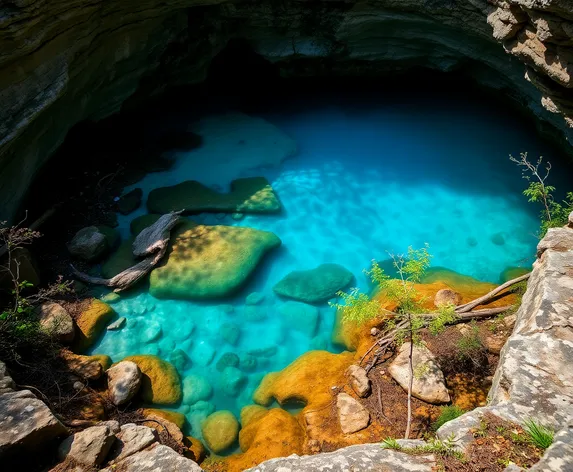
point(59, 69)
point(249, 195)
point(314, 285)
point(220, 430)
point(209, 261)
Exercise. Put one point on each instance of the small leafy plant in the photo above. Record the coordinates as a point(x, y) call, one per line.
point(539, 435)
point(553, 214)
point(447, 413)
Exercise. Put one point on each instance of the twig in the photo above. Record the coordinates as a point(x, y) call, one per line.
point(488, 296)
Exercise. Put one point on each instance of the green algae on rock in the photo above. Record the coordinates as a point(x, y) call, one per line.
point(248, 195)
point(220, 430)
point(160, 383)
point(209, 261)
point(315, 285)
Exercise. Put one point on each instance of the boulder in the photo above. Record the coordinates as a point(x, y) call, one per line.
point(359, 380)
point(299, 316)
point(90, 446)
point(428, 384)
point(232, 380)
point(88, 244)
point(132, 438)
point(172, 420)
point(91, 323)
point(86, 367)
point(220, 430)
point(352, 415)
point(229, 359)
point(447, 296)
point(196, 388)
point(117, 324)
point(55, 320)
point(154, 459)
point(254, 298)
point(179, 359)
point(209, 261)
point(315, 285)
point(123, 381)
point(26, 422)
point(130, 202)
point(248, 195)
point(230, 332)
point(160, 383)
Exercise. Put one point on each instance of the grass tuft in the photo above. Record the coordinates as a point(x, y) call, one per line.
point(447, 413)
point(539, 435)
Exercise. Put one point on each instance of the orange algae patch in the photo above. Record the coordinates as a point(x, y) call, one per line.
point(91, 323)
point(174, 417)
point(160, 383)
point(307, 379)
point(275, 434)
point(468, 392)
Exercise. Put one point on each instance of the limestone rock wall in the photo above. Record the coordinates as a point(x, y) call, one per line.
point(62, 62)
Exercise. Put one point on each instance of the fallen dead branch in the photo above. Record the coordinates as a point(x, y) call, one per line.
point(151, 243)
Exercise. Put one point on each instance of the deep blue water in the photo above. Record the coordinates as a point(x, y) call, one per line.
point(366, 179)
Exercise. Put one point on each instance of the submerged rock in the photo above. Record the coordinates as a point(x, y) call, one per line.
point(88, 244)
point(232, 380)
point(179, 359)
point(510, 273)
point(229, 359)
point(248, 195)
point(315, 285)
point(123, 381)
point(220, 430)
point(352, 415)
point(55, 320)
point(230, 332)
point(130, 202)
point(254, 298)
point(299, 316)
point(202, 353)
point(196, 388)
point(117, 324)
point(428, 384)
point(209, 261)
point(160, 382)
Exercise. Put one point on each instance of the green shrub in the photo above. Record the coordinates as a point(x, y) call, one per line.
point(447, 413)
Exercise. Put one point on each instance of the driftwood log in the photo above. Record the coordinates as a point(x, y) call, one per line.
point(464, 314)
point(151, 243)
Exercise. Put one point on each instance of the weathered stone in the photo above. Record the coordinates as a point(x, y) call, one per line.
point(559, 456)
point(130, 202)
point(428, 383)
point(89, 447)
point(248, 195)
point(494, 343)
point(26, 422)
point(91, 323)
point(131, 438)
point(117, 324)
point(315, 285)
point(196, 388)
point(123, 381)
point(6, 382)
point(352, 415)
point(88, 244)
point(154, 459)
point(86, 367)
point(57, 321)
point(557, 239)
point(363, 458)
point(359, 380)
point(160, 383)
point(220, 430)
point(447, 296)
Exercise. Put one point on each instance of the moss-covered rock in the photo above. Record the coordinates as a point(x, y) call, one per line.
point(220, 430)
point(209, 261)
point(249, 195)
point(315, 285)
point(160, 383)
point(91, 323)
point(175, 417)
point(252, 413)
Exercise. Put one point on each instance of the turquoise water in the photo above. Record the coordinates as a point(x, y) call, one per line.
point(356, 182)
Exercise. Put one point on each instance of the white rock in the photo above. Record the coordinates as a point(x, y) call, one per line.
point(155, 459)
point(428, 384)
point(123, 381)
point(118, 324)
point(131, 439)
point(55, 319)
point(352, 415)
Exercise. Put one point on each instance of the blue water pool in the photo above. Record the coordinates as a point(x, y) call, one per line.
point(364, 180)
